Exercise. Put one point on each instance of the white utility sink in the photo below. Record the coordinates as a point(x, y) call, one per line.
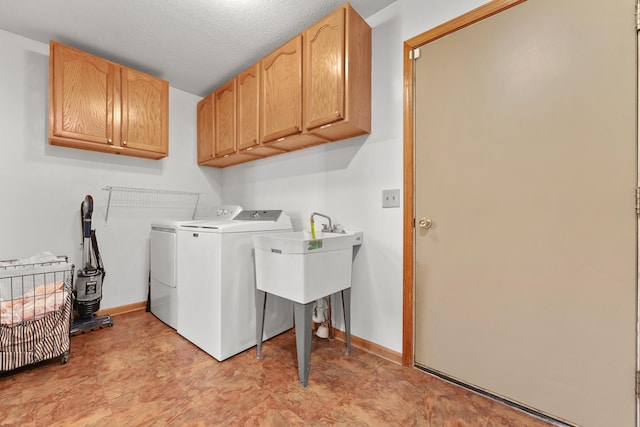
point(296, 267)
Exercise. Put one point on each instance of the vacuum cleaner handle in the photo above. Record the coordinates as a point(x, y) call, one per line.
point(96, 253)
point(86, 212)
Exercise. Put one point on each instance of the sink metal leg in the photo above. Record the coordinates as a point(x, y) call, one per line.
point(346, 309)
point(261, 302)
point(302, 317)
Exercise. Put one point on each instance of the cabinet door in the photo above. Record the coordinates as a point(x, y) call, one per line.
point(145, 112)
point(281, 91)
point(82, 97)
point(225, 113)
point(324, 70)
point(247, 108)
point(206, 134)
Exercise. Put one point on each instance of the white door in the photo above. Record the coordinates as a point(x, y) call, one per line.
point(162, 265)
point(199, 283)
point(525, 162)
point(162, 259)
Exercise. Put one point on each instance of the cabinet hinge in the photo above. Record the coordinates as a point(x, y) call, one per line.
point(637, 383)
point(415, 53)
point(637, 15)
point(638, 200)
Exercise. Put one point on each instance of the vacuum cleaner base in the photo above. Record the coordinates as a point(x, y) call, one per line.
point(82, 325)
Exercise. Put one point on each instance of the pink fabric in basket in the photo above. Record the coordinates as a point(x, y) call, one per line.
point(33, 305)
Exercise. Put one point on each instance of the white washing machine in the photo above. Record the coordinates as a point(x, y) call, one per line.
point(216, 276)
point(163, 263)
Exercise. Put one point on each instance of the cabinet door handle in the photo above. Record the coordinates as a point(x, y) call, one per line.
point(110, 141)
point(124, 142)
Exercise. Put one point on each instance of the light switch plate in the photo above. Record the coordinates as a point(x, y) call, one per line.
point(391, 198)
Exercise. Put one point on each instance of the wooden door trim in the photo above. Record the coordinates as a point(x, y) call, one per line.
point(469, 18)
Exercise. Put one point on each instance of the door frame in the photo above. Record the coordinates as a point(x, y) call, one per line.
point(408, 288)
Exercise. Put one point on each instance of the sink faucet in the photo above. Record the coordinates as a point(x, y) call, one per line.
point(331, 228)
point(324, 227)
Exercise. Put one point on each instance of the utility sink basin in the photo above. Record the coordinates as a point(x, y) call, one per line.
point(301, 269)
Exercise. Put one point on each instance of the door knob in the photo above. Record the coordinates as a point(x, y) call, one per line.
point(425, 223)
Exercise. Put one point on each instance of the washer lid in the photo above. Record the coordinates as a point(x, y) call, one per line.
point(251, 220)
point(168, 224)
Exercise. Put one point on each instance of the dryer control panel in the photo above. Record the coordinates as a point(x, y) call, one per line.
point(270, 215)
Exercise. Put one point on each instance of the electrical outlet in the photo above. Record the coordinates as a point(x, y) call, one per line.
point(391, 198)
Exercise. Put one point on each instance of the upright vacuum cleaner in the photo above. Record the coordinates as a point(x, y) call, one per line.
point(88, 287)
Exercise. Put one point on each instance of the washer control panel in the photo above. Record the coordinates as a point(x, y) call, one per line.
point(270, 215)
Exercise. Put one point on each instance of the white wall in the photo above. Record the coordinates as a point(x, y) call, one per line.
point(42, 186)
point(345, 179)
point(419, 16)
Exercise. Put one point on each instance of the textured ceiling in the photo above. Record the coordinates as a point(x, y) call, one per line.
point(194, 44)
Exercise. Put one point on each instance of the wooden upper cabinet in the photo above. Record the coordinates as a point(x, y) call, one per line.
point(95, 104)
point(82, 100)
point(281, 99)
point(248, 125)
point(225, 113)
point(145, 112)
point(324, 70)
point(206, 122)
point(281, 91)
point(248, 114)
point(233, 104)
point(337, 75)
point(313, 89)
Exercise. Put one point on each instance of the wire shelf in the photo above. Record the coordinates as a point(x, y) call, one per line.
point(146, 198)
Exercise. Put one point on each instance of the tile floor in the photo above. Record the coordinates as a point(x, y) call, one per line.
point(142, 373)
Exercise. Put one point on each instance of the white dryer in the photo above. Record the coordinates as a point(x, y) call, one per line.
point(163, 263)
point(216, 276)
